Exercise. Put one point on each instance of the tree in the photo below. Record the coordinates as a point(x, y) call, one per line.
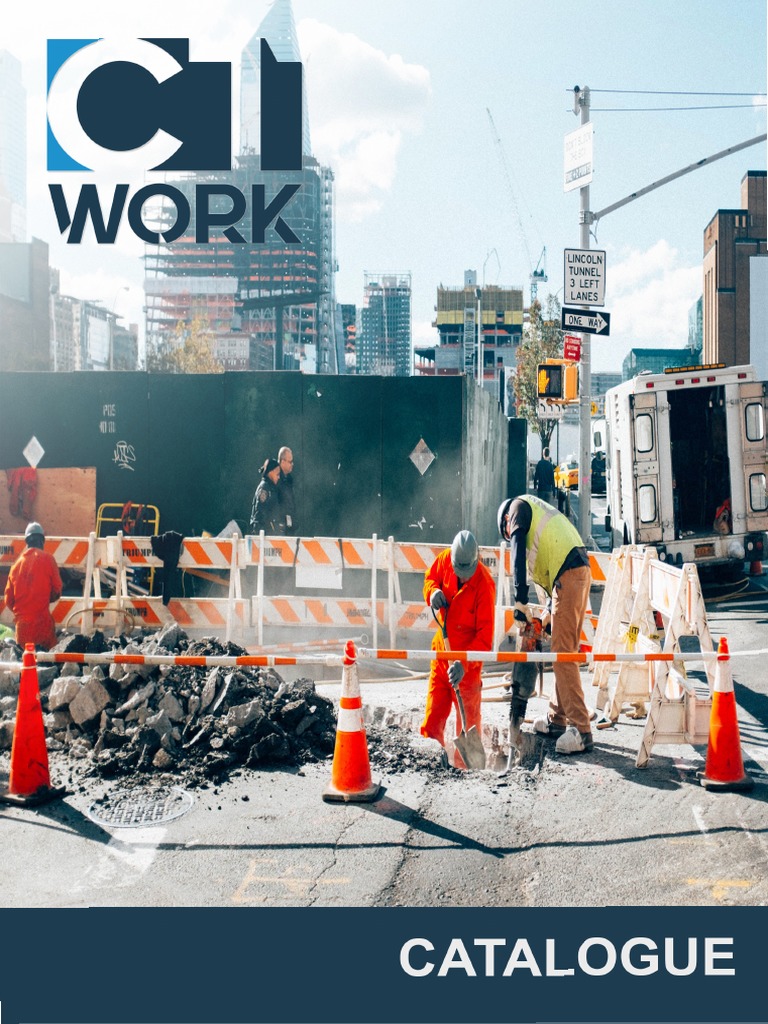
point(190, 350)
point(542, 339)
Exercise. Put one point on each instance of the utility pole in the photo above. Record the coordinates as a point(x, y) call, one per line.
point(581, 104)
point(586, 219)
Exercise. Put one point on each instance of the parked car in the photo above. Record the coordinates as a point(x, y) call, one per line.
point(567, 474)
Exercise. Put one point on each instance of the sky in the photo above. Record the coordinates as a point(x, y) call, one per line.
point(444, 125)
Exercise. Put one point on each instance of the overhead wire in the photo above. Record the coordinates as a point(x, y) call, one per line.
point(677, 92)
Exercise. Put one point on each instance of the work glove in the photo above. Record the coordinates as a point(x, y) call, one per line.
point(438, 600)
point(455, 673)
point(522, 612)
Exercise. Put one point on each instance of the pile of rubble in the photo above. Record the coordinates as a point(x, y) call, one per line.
point(201, 722)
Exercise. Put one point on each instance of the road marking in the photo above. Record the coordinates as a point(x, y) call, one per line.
point(135, 857)
point(720, 886)
point(295, 886)
point(698, 817)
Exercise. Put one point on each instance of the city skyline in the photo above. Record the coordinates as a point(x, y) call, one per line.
point(399, 103)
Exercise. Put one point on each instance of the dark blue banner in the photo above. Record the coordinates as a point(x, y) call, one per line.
point(391, 965)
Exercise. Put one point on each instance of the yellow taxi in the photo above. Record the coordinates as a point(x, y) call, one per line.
point(567, 474)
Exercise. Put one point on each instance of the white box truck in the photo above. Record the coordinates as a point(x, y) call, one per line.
point(686, 465)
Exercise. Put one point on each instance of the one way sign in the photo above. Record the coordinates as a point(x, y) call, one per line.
point(587, 323)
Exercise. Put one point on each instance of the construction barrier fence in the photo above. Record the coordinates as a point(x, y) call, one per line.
point(111, 599)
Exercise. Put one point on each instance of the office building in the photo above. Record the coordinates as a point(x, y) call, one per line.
point(384, 342)
point(734, 251)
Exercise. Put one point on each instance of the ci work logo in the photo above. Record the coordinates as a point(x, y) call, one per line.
point(120, 109)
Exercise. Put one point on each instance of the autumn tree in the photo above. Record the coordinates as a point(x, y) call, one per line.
point(190, 350)
point(542, 339)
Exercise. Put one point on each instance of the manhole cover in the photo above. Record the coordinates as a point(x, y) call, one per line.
point(134, 810)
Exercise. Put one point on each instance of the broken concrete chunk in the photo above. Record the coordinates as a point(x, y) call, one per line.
point(172, 708)
point(210, 688)
point(89, 702)
point(245, 714)
point(136, 699)
point(63, 691)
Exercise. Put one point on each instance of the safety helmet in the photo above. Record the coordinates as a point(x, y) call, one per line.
point(504, 508)
point(32, 530)
point(464, 554)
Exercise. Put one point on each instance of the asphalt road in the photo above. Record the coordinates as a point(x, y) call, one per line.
point(591, 830)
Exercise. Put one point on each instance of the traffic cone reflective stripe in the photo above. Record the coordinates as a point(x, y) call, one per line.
point(29, 781)
point(351, 772)
point(724, 768)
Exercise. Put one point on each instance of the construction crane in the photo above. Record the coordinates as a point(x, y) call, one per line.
point(538, 273)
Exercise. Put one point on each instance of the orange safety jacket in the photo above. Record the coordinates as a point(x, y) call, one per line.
point(470, 608)
point(33, 583)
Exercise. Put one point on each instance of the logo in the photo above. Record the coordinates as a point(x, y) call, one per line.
point(145, 106)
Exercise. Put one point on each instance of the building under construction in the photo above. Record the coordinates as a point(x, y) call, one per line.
point(461, 348)
point(268, 305)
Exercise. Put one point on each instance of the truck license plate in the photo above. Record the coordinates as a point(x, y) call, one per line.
point(704, 550)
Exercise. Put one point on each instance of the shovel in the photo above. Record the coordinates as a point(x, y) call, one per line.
point(469, 743)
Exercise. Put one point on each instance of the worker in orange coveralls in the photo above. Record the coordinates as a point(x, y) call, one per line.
point(461, 592)
point(33, 583)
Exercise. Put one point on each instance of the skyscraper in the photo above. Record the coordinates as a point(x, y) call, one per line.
point(279, 29)
point(384, 345)
point(13, 151)
point(270, 304)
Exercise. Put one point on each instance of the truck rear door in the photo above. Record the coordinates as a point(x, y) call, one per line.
point(646, 452)
point(753, 414)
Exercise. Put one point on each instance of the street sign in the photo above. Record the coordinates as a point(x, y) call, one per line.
point(584, 277)
point(545, 411)
point(587, 323)
point(572, 347)
point(577, 163)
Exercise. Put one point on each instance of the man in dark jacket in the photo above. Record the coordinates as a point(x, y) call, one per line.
point(265, 511)
point(285, 495)
point(544, 478)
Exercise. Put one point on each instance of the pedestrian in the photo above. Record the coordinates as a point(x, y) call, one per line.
point(462, 594)
point(33, 583)
point(546, 546)
point(285, 493)
point(265, 510)
point(544, 478)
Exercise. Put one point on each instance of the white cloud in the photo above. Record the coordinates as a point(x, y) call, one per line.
point(649, 295)
point(361, 104)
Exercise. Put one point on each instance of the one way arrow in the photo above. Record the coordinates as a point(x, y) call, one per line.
point(587, 323)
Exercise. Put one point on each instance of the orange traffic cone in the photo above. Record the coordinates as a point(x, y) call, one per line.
point(29, 782)
point(351, 772)
point(724, 769)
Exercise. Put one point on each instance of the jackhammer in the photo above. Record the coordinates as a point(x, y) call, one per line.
point(523, 685)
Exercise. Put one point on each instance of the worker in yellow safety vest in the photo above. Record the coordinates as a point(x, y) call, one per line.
point(546, 547)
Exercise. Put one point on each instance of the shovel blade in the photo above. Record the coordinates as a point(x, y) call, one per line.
point(470, 745)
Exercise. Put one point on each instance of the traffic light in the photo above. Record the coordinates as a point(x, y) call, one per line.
point(557, 381)
point(550, 381)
